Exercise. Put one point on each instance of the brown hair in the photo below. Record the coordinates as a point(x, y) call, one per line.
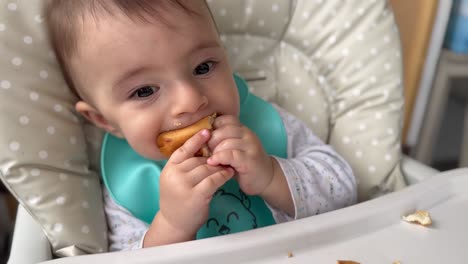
point(64, 18)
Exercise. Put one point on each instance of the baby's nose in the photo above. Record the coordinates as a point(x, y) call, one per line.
point(189, 99)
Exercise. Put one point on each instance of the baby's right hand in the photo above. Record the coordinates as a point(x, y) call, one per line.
point(187, 185)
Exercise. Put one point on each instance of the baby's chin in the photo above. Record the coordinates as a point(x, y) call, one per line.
point(156, 155)
point(149, 153)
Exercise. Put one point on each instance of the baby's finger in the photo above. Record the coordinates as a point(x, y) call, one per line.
point(202, 172)
point(190, 147)
point(192, 163)
point(226, 120)
point(234, 158)
point(224, 133)
point(212, 183)
point(230, 144)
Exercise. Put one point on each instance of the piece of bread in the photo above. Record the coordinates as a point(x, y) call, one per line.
point(419, 217)
point(169, 141)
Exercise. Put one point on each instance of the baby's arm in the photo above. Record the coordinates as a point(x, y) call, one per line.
point(319, 179)
point(126, 232)
point(187, 185)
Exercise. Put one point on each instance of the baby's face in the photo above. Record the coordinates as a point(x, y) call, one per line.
point(147, 78)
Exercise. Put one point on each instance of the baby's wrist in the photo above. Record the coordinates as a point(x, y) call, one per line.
point(166, 233)
point(270, 186)
point(277, 194)
point(177, 230)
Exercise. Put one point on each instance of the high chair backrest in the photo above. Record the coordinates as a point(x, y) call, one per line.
point(335, 64)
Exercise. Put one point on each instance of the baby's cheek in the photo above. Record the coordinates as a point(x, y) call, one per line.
point(152, 152)
point(146, 148)
point(156, 154)
point(141, 133)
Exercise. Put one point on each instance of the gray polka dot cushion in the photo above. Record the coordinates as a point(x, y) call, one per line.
point(43, 151)
point(334, 63)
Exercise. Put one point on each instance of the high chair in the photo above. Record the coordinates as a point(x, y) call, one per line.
point(336, 64)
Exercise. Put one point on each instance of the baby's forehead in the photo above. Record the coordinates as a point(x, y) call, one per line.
point(109, 39)
point(100, 19)
point(147, 11)
point(171, 14)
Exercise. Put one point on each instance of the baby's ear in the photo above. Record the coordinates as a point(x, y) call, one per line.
point(95, 117)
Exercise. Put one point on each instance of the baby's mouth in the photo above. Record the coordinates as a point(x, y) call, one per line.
point(169, 141)
point(179, 125)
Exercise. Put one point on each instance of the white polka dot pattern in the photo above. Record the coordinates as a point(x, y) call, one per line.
point(321, 60)
point(338, 72)
point(40, 136)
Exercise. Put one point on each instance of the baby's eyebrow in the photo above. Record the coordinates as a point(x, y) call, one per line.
point(144, 68)
point(205, 45)
point(132, 72)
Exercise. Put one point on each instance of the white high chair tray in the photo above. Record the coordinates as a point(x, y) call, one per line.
point(370, 232)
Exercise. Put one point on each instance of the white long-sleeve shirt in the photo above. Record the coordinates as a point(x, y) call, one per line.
point(319, 180)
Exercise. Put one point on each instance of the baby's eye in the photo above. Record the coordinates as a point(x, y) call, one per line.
point(145, 91)
point(204, 68)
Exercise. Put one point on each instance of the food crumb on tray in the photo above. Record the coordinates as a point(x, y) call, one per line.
point(419, 217)
point(346, 262)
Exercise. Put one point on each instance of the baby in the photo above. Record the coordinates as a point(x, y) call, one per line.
point(143, 67)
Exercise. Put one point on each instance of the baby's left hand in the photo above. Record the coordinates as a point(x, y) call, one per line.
point(233, 144)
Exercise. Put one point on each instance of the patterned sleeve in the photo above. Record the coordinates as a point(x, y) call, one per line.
point(126, 232)
point(318, 178)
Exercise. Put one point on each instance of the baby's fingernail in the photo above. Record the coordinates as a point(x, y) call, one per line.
point(204, 132)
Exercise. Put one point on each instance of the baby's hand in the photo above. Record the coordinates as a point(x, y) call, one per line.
point(235, 145)
point(187, 184)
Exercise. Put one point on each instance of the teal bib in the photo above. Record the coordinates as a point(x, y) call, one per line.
point(133, 181)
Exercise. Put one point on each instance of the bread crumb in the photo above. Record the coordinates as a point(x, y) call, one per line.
point(290, 254)
point(419, 217)
point(346, 262)
point(397, 262)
